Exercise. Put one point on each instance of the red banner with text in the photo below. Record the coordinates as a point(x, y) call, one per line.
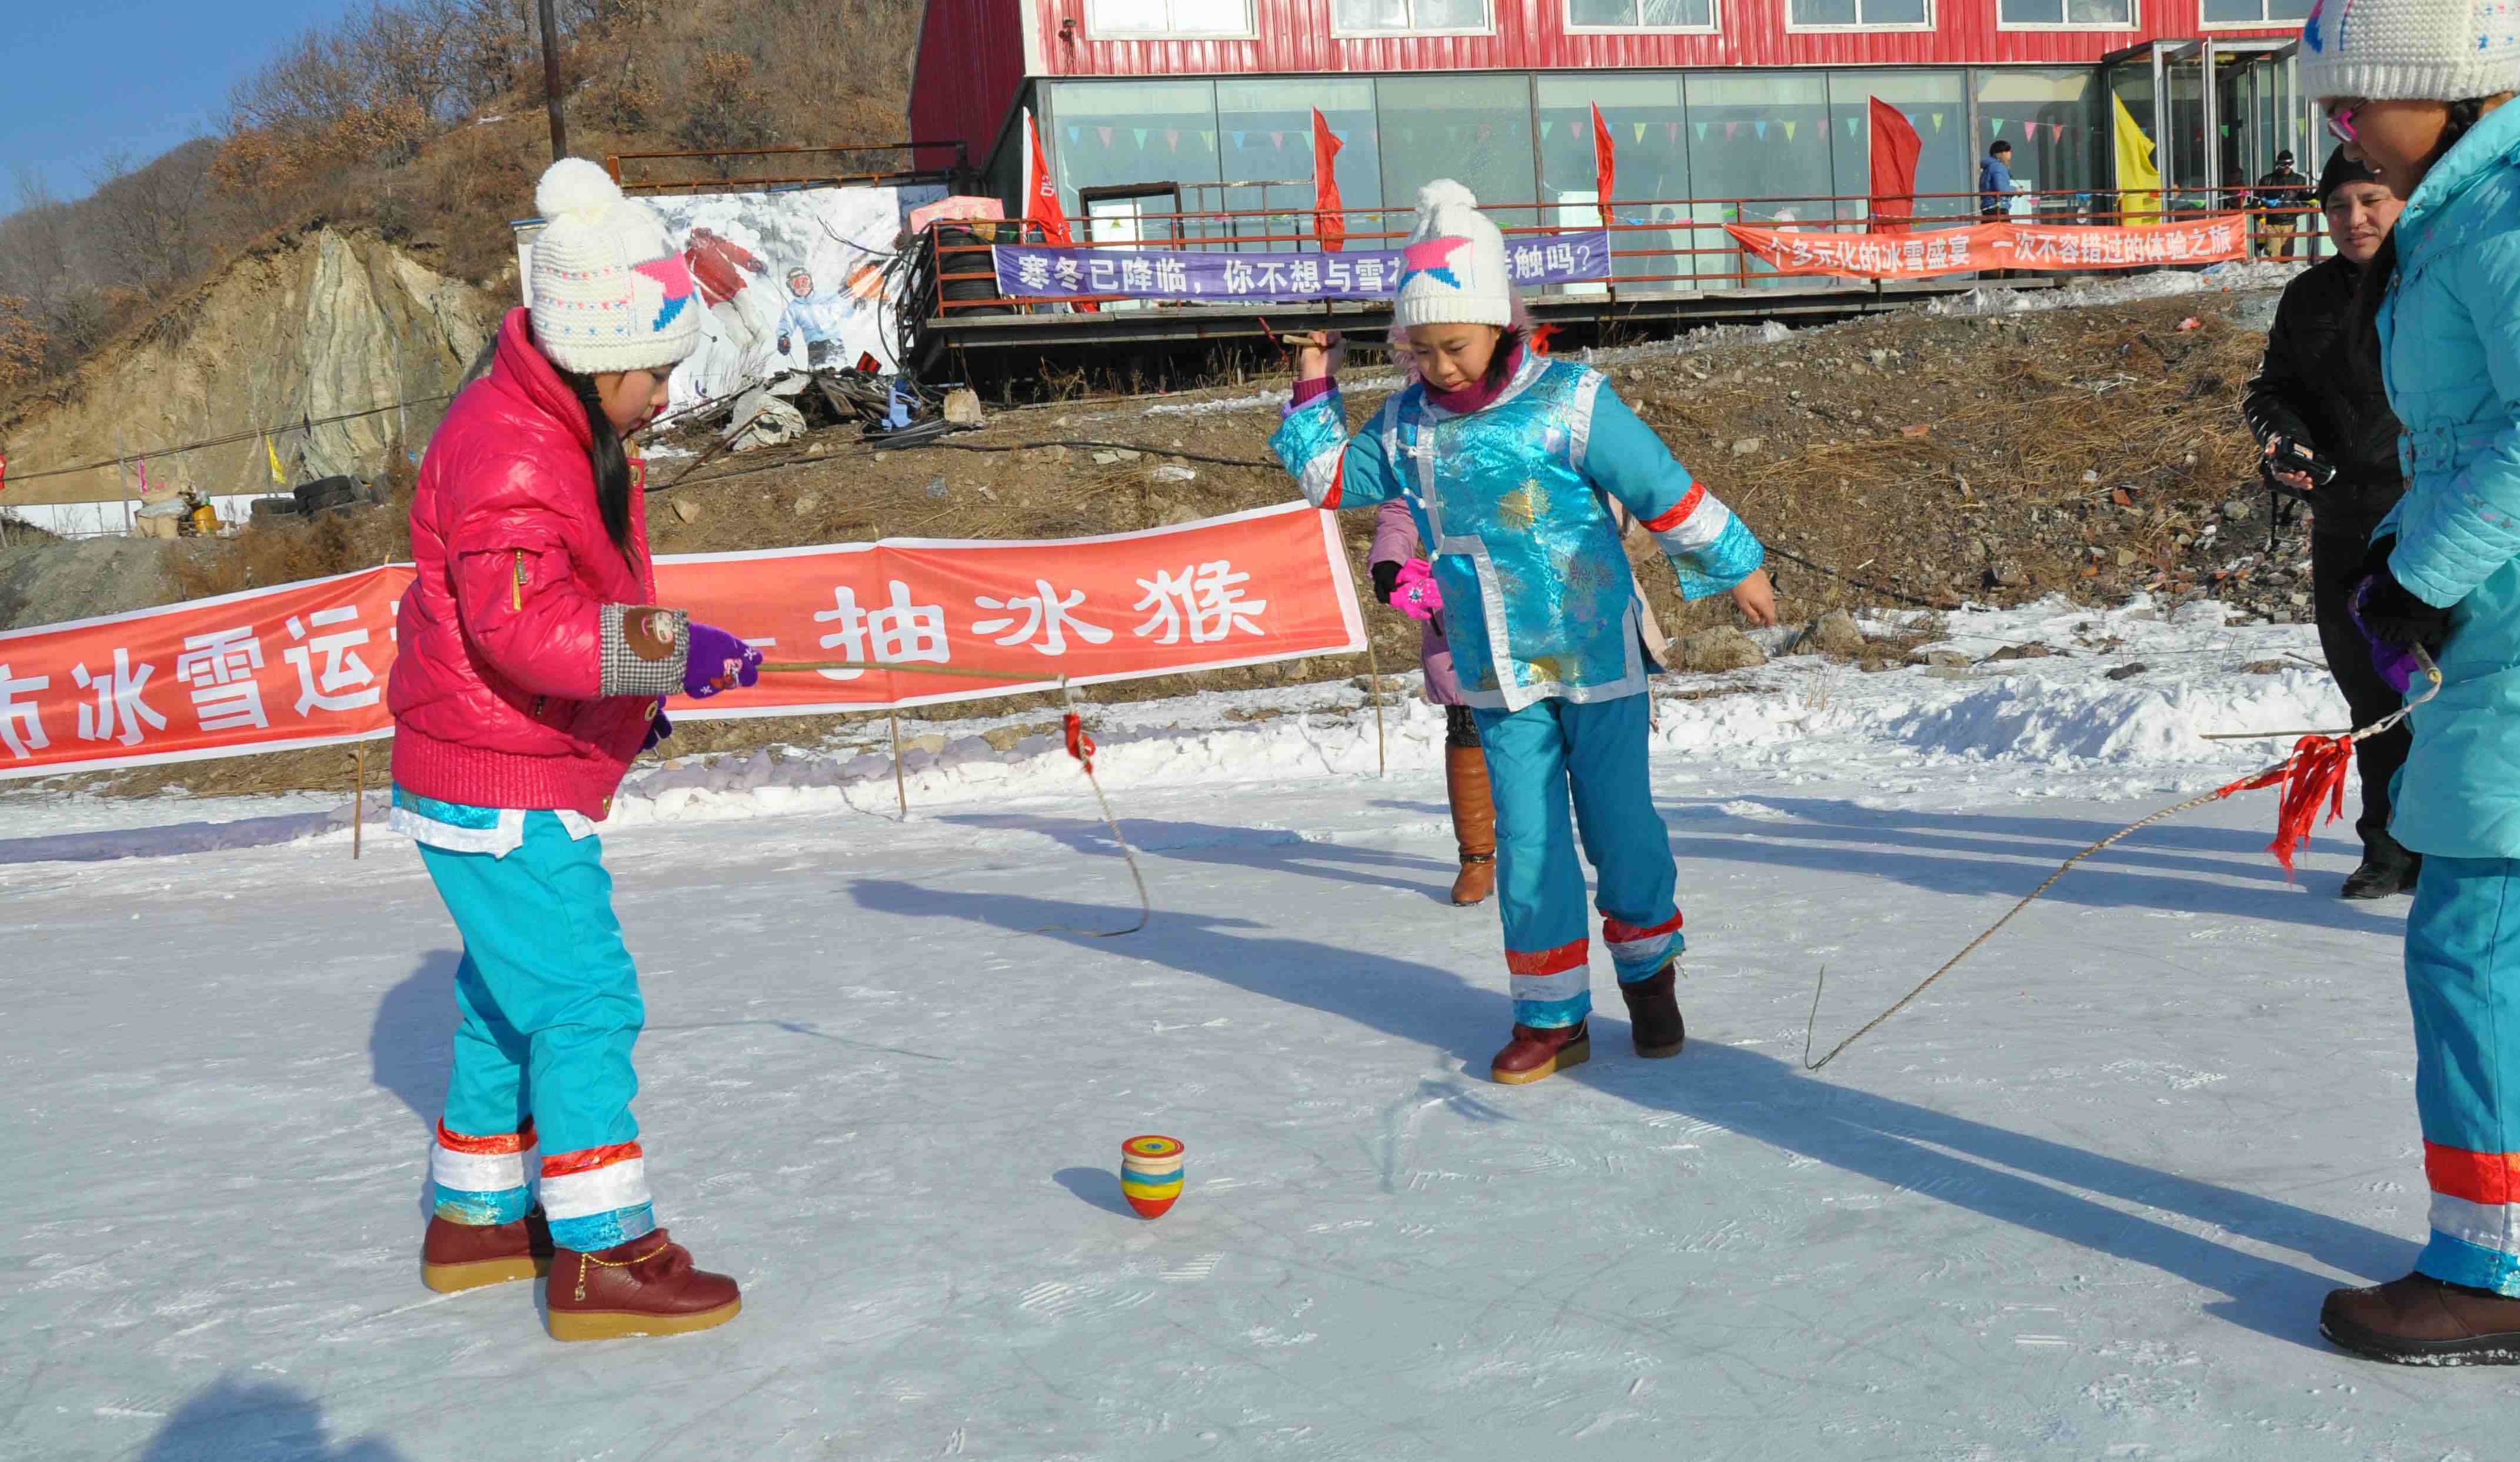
point(1995, 245)
point(305, 664)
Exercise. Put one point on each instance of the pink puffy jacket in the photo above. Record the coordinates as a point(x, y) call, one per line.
point(498, 662)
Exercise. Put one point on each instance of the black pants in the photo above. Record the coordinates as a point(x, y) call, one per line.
point(2335, 568)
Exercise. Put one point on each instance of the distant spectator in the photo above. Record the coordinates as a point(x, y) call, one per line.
point(2284, 196)
point(1994, 185)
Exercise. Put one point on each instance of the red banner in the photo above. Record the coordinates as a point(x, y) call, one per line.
point(1994, 246)
point(305, 664)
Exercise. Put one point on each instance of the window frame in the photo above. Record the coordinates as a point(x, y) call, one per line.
point(1713, 27)
point(2133, 21)
point(1860, 27)
point(2260, 24)
point(1250, 26)
point(1339, 32)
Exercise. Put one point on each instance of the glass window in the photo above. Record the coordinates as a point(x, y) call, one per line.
point(1648, 130)
point(1934, 104)
point(1823, 13)
point(2102, 13)
point(1352, 16)
point(2255, 11)
point(1758, 154)
point(1264, 142)
point(2058, 122)
point(1110, 133)
point(1640, 15)
point(1473, 129)
point(1169, 17)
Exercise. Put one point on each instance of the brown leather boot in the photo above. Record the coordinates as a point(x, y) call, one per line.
point(1465, 782)
point(1533, 1054)
point(1654, 1014)
point(2419, 1320)
point(645, 1287)
point(457, 1256)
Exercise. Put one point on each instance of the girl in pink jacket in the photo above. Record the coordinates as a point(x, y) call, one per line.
point(533, 665)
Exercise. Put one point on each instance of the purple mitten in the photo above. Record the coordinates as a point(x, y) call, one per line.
point(1415, 593)
point(2395, 663)
point(658, 728)
point(718, 660)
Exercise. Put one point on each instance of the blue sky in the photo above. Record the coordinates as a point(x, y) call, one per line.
point(88, 78)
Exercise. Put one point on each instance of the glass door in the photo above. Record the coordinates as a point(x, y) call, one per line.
point(2131, 80)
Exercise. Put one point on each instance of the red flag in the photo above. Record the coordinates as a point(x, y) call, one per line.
point(1605, 161)
point(1895, 146)
point(1041, 195)
point(1330, 211)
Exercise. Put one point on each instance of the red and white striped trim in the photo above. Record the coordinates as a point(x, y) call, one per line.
point(479, 1165)
point(1546, 962)
point(594, 1180)
point(1629, 943)
point(1324, 477)
point(1694, 522)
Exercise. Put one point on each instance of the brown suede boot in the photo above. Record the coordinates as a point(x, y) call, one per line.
point(2419, 1320)
point(1654, 1014)
point(645, 1287)
point(1465, 781)
point(1533, 1054)
point(457, 1256)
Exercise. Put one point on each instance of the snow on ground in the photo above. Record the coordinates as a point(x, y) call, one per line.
point(2080, 1202)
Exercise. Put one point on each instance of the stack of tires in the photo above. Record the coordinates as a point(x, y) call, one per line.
point(323, 495)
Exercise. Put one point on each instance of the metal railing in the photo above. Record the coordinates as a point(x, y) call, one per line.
point(852, 168)
point(1657, 245)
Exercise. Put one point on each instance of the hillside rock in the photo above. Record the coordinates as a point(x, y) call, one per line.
point(327, 324)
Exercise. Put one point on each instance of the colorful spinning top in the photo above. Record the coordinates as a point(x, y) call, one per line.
point(1150, 1173)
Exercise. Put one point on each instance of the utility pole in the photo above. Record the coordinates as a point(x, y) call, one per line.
point(551, 80)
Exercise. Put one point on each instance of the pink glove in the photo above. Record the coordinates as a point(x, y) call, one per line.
point(1415, 593)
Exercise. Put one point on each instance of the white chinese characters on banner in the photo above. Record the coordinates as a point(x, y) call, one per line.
point(220, 667)
point(898, 633)
point(119, 711)
point(342, 671)
point(1205, 601)
point(22, 727)
point(1047, 618)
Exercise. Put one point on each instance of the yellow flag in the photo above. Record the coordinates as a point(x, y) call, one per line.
point(279, 478)
point(2139, 180)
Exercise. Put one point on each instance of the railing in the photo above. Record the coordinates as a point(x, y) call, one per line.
point(1657, 245)
point(852, 167)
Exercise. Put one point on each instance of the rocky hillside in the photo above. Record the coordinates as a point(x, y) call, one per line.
point(322, 324)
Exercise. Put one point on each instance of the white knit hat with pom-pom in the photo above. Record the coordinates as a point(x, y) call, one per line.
point(2410, 50)
point(608, 291)
point(1453, 271)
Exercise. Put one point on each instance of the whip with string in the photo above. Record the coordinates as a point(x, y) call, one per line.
point(1079, 745)
point(2311, 776)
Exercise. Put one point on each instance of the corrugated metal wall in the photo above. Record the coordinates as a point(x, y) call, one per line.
point(1294, 37)
point(971, 63)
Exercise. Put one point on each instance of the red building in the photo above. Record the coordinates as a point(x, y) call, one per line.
point(1721, 109)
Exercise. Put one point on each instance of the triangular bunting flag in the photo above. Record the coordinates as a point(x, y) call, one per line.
point(1641, 131)
point(1238, 138)
point(1789, 131)
point(1730, 129)
point(1701, 131)
point(1852, 126)
point(1138, 133)
point(1172, 139)
point(1278, 141)
point(1546, 128)
point(1994, 124)
point(1075, 133)
point(1104, 133)
point(1208, 138)
point(1761, 127)
point(1670, 132)
point(2055, 131)
point(1938, 122)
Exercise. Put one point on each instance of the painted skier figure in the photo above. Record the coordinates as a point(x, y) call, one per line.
point(1505, 460)
point(815, 319)
point(725, 270)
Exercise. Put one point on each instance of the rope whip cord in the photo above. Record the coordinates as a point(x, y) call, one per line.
point(1079, 745)
point(2312, 752)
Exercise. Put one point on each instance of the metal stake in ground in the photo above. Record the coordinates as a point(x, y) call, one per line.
point(359, 801)
point(900, 788)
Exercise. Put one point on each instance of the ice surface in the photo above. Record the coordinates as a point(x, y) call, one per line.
point(2080, 1202)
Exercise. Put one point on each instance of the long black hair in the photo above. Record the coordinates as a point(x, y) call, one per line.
point(611, 463)
point(2382, 271)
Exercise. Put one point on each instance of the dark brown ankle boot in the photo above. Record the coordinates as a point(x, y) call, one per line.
point(456, 1256)
point(1653, 1013)
point(1533, 1053)
point(2419, 1320)
point(1465, 781)
point(645, 1287)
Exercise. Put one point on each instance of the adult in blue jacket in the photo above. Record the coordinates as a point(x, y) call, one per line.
point(2417, 89)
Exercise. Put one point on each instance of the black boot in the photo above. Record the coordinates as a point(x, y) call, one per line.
point(1654, 1014)
point(2387, 869)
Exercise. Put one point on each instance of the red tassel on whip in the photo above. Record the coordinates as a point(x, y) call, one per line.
point(1079, 745)
point(2313, 774)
